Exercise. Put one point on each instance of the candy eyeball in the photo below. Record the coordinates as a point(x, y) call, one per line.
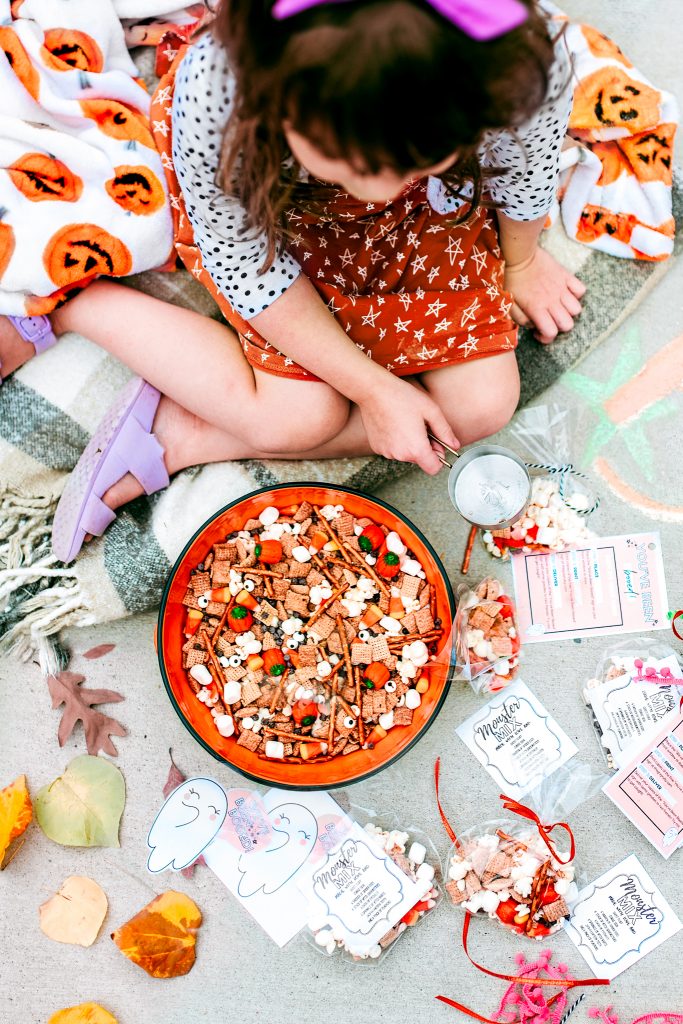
point(292, 643)
point(349, 722)
point(364, 635)
point(249, 586)
point(390, 686)
point(223, 661)
point(202, 601)
point(234, 661)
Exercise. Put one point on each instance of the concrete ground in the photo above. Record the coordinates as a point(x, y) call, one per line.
point(240, 975)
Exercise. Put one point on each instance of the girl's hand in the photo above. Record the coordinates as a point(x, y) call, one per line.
point(397, 417)
point(546, 295)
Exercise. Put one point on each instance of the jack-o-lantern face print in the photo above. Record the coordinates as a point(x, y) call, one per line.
point(66, 49)
point(79, 252)
point(602, 46)
point(613, 161)
point(19, 60)
point(6, 246)
point(610, 98)
point(40, 177)
point(136, 189)
point(119, 121)
point(596, 222)
point(651, 153)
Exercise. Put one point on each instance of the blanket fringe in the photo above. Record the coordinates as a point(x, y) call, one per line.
point(38, 595)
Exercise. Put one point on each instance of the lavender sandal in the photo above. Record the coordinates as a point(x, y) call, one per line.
point(123, 443)
point(37, 330)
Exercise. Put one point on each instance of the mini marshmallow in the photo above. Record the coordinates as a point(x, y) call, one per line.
point(324, 669)
point(458, 869)
point(232, 692)
point(395, 544)
point(386, 721)
point(269, 516)
point(301, 554)
point(248, 723)
point(411, 567)
point(322, 937)
point(201, 674)
point(275, 749)
point(391, 625)
point(406, 669)
point(490, 902)
point(225, 724)
point(291, 626)
point(425, 871)
point(417, 853)
point(419, 653)
point(413, 699)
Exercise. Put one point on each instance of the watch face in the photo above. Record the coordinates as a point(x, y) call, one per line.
point(491, 490)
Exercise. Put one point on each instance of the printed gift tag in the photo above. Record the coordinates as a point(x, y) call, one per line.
point(616, 585)
point(620, 918)
point(516, 740)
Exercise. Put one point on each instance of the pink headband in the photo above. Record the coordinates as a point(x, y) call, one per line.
point(479, 19)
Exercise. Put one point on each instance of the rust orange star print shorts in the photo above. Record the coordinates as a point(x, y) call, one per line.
point(412, 290)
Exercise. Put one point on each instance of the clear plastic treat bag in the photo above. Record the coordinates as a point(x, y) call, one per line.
point(485, 647)
point(561, 496)
point(521, 871)
point(637, 686)
point(376, 878)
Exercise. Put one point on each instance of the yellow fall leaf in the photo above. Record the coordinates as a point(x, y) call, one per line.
point(75, 913)
point(16, 812)
point(84, 1013)
point(161, 937)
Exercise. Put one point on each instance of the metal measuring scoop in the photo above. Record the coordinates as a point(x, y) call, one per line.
point(489, 485)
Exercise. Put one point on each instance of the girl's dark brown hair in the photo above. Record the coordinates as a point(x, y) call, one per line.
point(379, 83)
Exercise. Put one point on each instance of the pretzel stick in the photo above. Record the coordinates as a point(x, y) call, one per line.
point(256, 571)
point(345, 649)
point(370, 572)
point(538, 884)
point(218, 669)
point(278, 693)
point(322, 606)
point(221, 622)
point(333, 535)
point(333, 715)
point(468, 550)
point(317, 560)
point(432, 600)
point(269, 587)
point(361, 727)
point(289, 736)
point(289, 759)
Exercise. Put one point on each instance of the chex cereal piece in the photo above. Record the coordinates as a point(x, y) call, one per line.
point(491, 608)
point(343, 730)
point(350, 576)
point(339, 745)
point(333, 643)
point(252, 524)
point(401, 687)
point(200, 582)
point(410, 586)
point(401, 861)
point(304, 673)
point(269, 642)
point(403, 716)
point(315, 578)
point(251, 691)
point(215, 608)
point(498, 884)
point(379, 703)
point(288, 750)
point(472, 883)
point(246, 712)
point(391, 699)
point(304, 512)
point(225, 552)
point(368, 705)
point(220, 573)
point(195, 657)
point(248, 739)
point(352, 542)
point(498, 628)
point(493, 590)
point(478, 619)
point(351, 748)
point(408, 622)
point(456, 894)
point(361, 654)
point(281, 611)
point(266, 696)
point(308, 656)
point(343, 524)
point(324, 627)
point(349, 694)
point(349, 629)
point(499, 865)
point(233, 673)
point(305, 527)
point(502, 646)
point(379, 648)
point(424, 620)
point(242, 550)
point(266, 614)
point(295, 602)
point(190, 599)
point(226, 644)
point(556, 911)
point(383, 602)
point(289, 542)
point(280, 588)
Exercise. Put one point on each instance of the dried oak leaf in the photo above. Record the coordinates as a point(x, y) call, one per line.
point(161, 938)
point(99, 651)
point(84, 1013)
point(16, 812)
point(75, 913)
point(78, 703)
point(175, 778)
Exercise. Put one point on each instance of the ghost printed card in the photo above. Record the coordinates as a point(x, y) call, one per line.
point(256, 845)
point(620, 918)
point(649, 789)
point(516, 740)
point(615, 585)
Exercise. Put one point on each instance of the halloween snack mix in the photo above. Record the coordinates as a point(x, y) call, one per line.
point(486, 646)
point(549, 523)
point(309, 633)
point(416, 857)
point(513, 877)
point(636, 687)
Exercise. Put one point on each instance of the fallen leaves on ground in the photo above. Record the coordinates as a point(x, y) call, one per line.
point(99, 651)
point(84, 1013)
point(83, 806)
point(175, 778)
point(161, 938)
point(75, 913)
point(65, 688)
point(16, 812)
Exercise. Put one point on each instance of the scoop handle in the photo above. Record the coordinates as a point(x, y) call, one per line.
point(442, 460)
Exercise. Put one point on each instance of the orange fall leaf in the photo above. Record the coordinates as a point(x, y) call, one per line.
point(161, 937)
point(16, 812)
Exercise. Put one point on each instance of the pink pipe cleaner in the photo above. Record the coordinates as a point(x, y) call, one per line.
point(526, 1003)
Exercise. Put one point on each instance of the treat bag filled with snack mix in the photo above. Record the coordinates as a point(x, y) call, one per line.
point(485, 647)
point(561, 497)
point(637, 686)
point(371, 879)
point(521, 870)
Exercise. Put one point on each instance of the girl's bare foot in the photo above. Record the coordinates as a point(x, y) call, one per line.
point(14, 351)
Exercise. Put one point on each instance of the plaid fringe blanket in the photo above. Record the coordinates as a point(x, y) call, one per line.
point(49, 408)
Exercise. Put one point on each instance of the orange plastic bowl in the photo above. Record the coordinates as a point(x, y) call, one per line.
point(196, 717)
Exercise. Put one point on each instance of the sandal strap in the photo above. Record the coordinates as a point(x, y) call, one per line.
point(35, 329)
point(143, 455)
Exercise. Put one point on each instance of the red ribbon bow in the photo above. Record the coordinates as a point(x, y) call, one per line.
point(543, 830)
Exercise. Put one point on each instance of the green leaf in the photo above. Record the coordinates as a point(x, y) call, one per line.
point(83, 806)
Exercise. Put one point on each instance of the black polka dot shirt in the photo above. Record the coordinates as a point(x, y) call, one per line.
point(233, 255)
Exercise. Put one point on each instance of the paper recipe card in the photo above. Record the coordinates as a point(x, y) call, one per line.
point(516, 740)
point(359, 890)
point(616, 585)
point(649, 790)
point(619, 919)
